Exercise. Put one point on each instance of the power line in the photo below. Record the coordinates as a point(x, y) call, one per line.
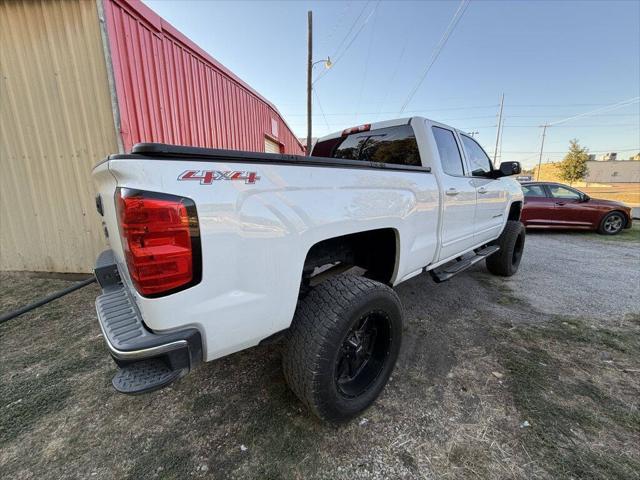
point(439, 47)
point(599, 125)
point(608, 108)
point(335, 53)
point(366, 62)
point(595, 115)
point(393, 75)
point(474, 127)
point(590, 151)
point(325, 39)
point(339, 57)
point(409, 111)
point(315, 92)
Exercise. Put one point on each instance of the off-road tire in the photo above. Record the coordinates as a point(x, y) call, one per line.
point(505, 262)
point(610, 225)
point(322, 321)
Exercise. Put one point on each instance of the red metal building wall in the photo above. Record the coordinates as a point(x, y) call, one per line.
point(169, 90)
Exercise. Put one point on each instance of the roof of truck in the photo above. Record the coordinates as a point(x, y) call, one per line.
point(373, 126)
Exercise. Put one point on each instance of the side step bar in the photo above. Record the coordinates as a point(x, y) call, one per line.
point(451, 269)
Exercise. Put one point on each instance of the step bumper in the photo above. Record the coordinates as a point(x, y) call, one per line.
point(129, 340)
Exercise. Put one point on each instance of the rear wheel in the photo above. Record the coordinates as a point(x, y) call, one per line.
point(505, 262)
point(342, 346)
point(612, 223)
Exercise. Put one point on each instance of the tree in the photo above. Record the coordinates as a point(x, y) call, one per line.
point(574, 165)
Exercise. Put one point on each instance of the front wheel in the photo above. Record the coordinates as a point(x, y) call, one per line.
point(612, 224)
point(505, 262)
point(342, 346)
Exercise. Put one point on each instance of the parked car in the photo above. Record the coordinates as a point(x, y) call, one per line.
point(215, 251)
point(554, 205)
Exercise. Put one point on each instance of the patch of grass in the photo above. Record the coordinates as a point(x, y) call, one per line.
point(176, 462)
point(627, 235)
point(29, 397)
point(571, 411)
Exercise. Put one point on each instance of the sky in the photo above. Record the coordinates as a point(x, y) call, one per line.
point(551, 59)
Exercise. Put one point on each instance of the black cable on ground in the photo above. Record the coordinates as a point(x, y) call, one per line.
point(9, 315)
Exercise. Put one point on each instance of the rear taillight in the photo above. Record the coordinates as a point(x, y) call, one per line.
point(160, 239)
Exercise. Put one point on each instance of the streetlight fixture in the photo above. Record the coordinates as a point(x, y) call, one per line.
point(327, 63)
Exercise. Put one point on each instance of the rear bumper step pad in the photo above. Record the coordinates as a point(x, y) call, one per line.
point(147, 360)
point(145, 376)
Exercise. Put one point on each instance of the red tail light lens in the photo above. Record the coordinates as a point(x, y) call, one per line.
point(161, 241)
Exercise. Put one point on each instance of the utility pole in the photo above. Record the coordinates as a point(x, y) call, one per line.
point(309, 70)
point(495, 152)
point(544, 132)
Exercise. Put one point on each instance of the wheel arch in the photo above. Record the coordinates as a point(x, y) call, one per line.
point(515, 211)
point(626, 217)
point(377, 251)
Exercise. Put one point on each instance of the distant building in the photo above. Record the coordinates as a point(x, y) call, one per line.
point(610, 157)
point(599, 172)
point(621, 171)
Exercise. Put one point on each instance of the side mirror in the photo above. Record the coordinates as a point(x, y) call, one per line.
point(585, 197)
point(509, 168)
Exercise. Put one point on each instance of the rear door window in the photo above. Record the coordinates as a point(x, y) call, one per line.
point(533, 191)
point(558, 191)
point(393, 145)
point(449, 152)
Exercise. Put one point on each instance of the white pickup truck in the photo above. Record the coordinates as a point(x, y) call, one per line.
point(215, 251)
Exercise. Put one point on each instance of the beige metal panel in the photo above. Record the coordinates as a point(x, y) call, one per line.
point(56, 122)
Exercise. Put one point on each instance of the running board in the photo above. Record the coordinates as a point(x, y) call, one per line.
point(451, 269)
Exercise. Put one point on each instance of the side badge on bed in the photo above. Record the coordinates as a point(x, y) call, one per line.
point(207, 177)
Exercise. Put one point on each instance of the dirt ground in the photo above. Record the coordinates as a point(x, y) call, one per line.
point(535, 376)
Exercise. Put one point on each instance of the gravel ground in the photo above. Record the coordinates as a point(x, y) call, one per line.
point(580, 274)
point(555, 346)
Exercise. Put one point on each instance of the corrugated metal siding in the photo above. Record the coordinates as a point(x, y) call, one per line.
point(171, 91)
point(55, 123)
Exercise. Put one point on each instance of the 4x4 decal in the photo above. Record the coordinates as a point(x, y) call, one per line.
point(207, 177)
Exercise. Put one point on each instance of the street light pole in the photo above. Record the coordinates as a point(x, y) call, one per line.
point(309, 70)
point(544, 132)
point(495, 151)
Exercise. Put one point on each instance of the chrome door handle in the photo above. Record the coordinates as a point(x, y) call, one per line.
point(452, 191)
point(482, 190)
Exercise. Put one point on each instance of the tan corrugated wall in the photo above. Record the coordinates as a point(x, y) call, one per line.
point(56, 122)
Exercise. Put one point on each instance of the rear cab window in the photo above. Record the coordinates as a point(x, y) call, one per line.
point(450, 156)
point(395, 145)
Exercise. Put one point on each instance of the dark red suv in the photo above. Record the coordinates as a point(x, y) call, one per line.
point(554, 205)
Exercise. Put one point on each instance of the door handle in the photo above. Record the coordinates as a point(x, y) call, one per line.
point(452, 191)
point(560, 203)
point(482, 190)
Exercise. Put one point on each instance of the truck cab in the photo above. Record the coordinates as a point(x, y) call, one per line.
point(469, 186)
